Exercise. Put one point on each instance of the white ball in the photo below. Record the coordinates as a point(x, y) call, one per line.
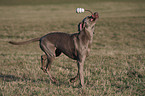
point(83, 10)
point(80, 10)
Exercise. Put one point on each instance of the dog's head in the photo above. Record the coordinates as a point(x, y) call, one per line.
point(88, 22)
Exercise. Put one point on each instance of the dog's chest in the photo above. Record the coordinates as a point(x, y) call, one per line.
point(81, 45)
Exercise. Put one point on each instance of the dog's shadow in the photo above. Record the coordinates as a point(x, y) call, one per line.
point(9, 78)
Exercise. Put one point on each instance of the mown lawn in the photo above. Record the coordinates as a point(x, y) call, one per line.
point(116, 65)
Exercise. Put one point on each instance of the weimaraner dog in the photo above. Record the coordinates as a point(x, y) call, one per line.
point(75, 46)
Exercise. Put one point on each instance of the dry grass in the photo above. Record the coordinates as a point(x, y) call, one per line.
point(116, 65)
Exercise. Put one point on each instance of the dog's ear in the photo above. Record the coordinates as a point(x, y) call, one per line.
point(80, 26)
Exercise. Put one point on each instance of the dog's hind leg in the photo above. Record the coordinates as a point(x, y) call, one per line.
point(49, 50)
point(43, 67)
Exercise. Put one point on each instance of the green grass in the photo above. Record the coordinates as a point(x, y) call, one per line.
point(116, 65)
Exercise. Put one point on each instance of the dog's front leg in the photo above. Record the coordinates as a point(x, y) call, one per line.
point(88, 50)
point(80, 75)
point(80, 69)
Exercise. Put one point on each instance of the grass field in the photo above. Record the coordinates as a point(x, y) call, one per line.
point(115, 67)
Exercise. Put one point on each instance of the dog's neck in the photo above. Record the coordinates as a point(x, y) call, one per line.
point(86, 36)
point(89, 31)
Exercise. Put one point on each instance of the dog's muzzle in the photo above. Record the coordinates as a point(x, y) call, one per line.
point(95, 16)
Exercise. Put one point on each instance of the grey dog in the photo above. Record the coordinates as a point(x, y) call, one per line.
point(76, 46)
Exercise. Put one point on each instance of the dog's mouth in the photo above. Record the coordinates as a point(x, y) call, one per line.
point(94, 16)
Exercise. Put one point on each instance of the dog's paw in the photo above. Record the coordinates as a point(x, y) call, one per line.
point(54, 80)
point(44, 70)
point(72, 80)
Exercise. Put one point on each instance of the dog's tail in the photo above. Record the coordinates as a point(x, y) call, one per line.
point(24, 42)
